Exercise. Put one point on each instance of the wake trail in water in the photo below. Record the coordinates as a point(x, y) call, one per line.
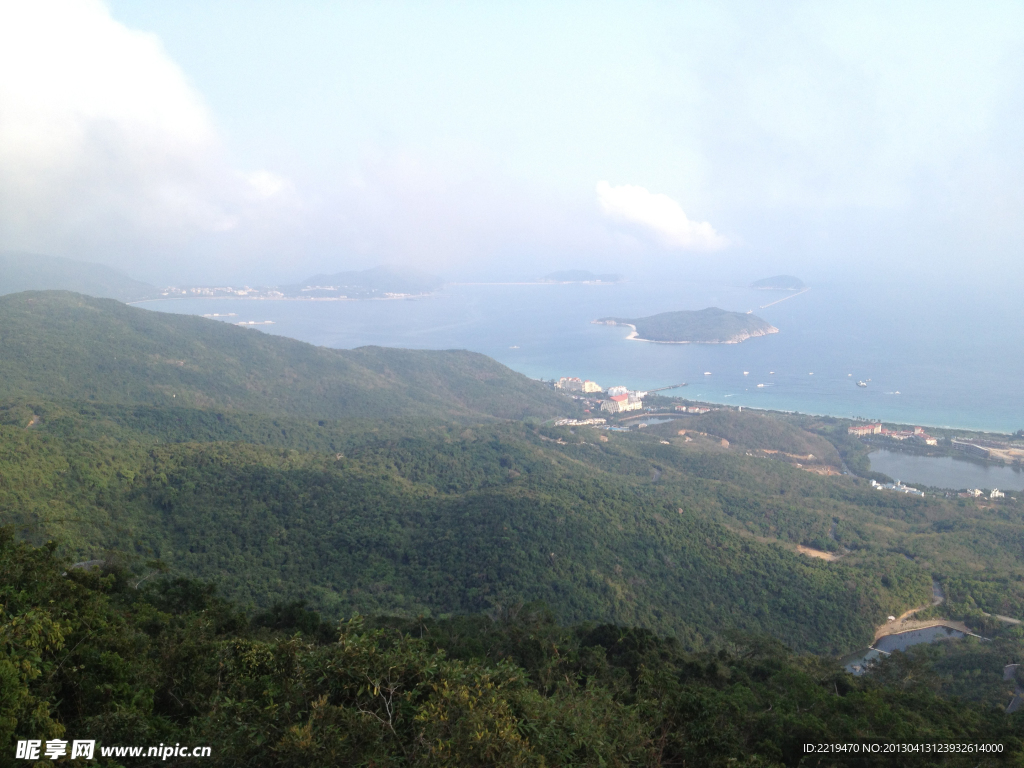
point(784, 298)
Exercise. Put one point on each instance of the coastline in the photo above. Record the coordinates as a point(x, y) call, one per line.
point(283, 298)
point(635, 336)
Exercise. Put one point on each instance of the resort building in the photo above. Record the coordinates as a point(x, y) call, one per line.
point(970, 448)
point(865, 429)
point(576, 384)
point(620, 403)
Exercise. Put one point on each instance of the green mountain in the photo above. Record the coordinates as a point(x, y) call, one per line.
point(35, 272)
point(127, 658)
point(759, 432)
point(421, 490)
point(386, 481)
point(69, 346)
point(705, 326)
point(409, 519)
point(779, 283)
point(367, 284)
point(280, 470)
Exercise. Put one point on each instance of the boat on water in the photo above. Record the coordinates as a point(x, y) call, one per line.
point(760, 385)
point(862, 383)
point(707, 373)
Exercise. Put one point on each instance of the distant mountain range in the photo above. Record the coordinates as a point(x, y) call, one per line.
point(779, 283)
point(36, 272)
point(379, 282)
point(705, 326)
point(579, 276)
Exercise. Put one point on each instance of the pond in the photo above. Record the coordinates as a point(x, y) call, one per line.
point(946, 471)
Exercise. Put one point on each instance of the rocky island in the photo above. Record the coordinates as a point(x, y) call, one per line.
point(705, 326)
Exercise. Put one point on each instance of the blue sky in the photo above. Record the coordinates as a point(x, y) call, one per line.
point(263, 141)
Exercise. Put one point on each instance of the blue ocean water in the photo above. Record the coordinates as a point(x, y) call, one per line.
point(953, 357)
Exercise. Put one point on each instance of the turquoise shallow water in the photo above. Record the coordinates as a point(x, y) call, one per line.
point(953, 363)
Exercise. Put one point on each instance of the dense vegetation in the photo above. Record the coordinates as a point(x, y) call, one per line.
point(759, 431)
point(103, 655)
point(446, 519)
point(72, 347)
point(704, 326)
point(309, 486)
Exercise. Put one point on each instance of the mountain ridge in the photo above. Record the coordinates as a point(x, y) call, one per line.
point(70, 346)
point(20, 271)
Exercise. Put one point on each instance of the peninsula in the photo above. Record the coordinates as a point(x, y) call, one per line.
point(705, 326)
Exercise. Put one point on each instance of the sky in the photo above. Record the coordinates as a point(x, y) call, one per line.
point(263, 141)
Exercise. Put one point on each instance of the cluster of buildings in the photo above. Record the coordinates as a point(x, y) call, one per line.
point(579, 422)
point(619, 398)
point(917, 434)
point(970, 448)
point(897, 486)
point(974, 493)
point(576, 384)
point(694, 409)
point(222, 291)
point(623, 402)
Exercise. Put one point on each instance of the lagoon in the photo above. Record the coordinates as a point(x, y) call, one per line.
point(953, 472)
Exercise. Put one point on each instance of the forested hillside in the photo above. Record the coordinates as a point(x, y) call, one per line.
point(447, 519)
point(73, 347)
point(98, 653)
point(422, 488)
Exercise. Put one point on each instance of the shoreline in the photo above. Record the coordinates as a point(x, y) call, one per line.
point(634, 335)
point(798, 408)
point(282, 298)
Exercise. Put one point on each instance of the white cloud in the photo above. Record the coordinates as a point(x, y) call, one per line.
point(658, 213)
point(103, 142)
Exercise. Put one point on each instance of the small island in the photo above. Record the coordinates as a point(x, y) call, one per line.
point(579, 276)
point(705, 326)
point(779, 283)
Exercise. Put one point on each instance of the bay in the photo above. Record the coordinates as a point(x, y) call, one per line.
point(914, 343)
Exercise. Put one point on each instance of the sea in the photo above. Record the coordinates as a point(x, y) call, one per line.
point(944, 357)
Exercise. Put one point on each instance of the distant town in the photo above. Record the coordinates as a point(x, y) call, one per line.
point(308, 293)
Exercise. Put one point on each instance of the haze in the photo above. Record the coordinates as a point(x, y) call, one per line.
point(206, 141)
